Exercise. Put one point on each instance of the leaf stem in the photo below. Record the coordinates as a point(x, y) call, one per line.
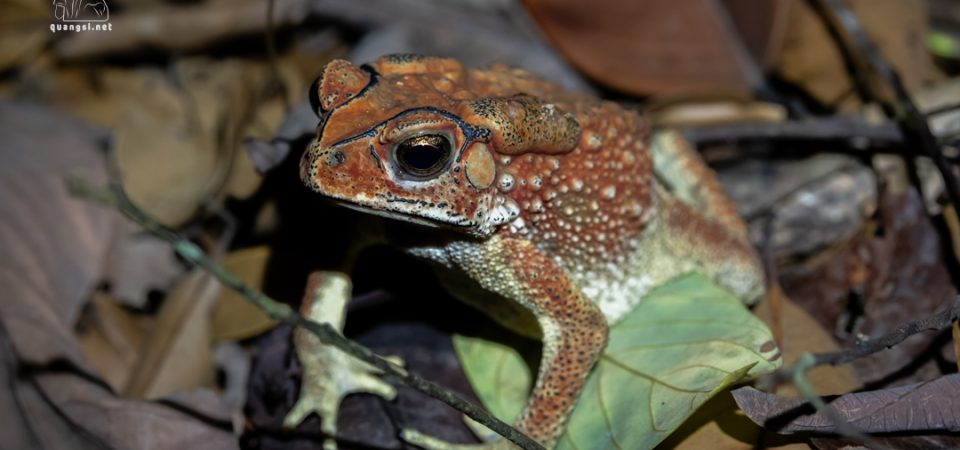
point(937, 322)
point(799, 378)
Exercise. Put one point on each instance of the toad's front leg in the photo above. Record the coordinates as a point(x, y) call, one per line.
point(329, 374)
point(574, 333)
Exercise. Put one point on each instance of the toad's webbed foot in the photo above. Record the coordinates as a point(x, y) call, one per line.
point(328, 373)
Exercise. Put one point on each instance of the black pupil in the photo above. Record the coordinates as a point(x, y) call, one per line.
point(423, 155)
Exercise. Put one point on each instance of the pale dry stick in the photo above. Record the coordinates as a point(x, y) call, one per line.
point(115, 197)
point(796, 373)
point(799, 378)
point(937, 322)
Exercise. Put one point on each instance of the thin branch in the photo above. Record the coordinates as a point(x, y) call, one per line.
point(861, 83)
point(849, 35)
point(799, 378)
point(852, 132)
point(116, 198)
point(936, 322)
point(943, 109)
point(796, 373)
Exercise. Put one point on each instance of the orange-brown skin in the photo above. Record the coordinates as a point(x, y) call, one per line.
point(551, 200)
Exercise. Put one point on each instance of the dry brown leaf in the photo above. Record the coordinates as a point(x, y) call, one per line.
point(875, 282)
point(164, 148)
point(953, 227)
point(267, 116)
point(950, 218)
point(52, 242)
point(177, 133)
point(810, 59)
point(235, 318)
point(816, 201)
point(834, 199)
point(60, 410)
point(24, 30)
point(111, 337)
point(921, 407)
point(654, 46)
point(51, 250)
point(955, 331)
point(19, 11)
point(720, 425)
point(180, 29)
point(178, 352)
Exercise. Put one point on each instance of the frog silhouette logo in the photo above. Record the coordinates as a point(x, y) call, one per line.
point(81, 11)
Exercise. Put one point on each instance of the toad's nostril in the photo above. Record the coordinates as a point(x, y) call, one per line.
point(336, 158)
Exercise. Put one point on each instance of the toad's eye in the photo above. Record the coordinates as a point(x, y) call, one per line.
point(423, 156)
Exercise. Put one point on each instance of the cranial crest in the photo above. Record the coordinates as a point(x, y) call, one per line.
point(524, 124)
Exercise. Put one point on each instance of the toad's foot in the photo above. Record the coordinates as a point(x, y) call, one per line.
point(328, 373)
point(421, 440)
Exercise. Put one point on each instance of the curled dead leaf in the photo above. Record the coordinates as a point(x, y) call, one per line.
point(927, 406)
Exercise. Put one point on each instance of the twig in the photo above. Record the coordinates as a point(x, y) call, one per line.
point(943, 109)
point(796, 373)
point(853, 133)
point(115, 197)
point(799, 378)
point(849, 34)
point(936, 322)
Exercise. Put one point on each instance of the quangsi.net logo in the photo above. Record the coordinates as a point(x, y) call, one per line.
point(81, 15)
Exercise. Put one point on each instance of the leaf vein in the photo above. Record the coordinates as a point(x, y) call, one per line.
point(566, 436)
point(638, 347)
point(647, 376)
point(603, 408)
point(648, 324)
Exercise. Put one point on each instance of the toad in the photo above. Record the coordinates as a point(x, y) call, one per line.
point(551, 211)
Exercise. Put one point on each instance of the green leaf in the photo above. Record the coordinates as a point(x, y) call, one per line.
point(942, 45)
point(686, 341)
point(497, 373)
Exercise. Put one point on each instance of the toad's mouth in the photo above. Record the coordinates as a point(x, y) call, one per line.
point(387, 210)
